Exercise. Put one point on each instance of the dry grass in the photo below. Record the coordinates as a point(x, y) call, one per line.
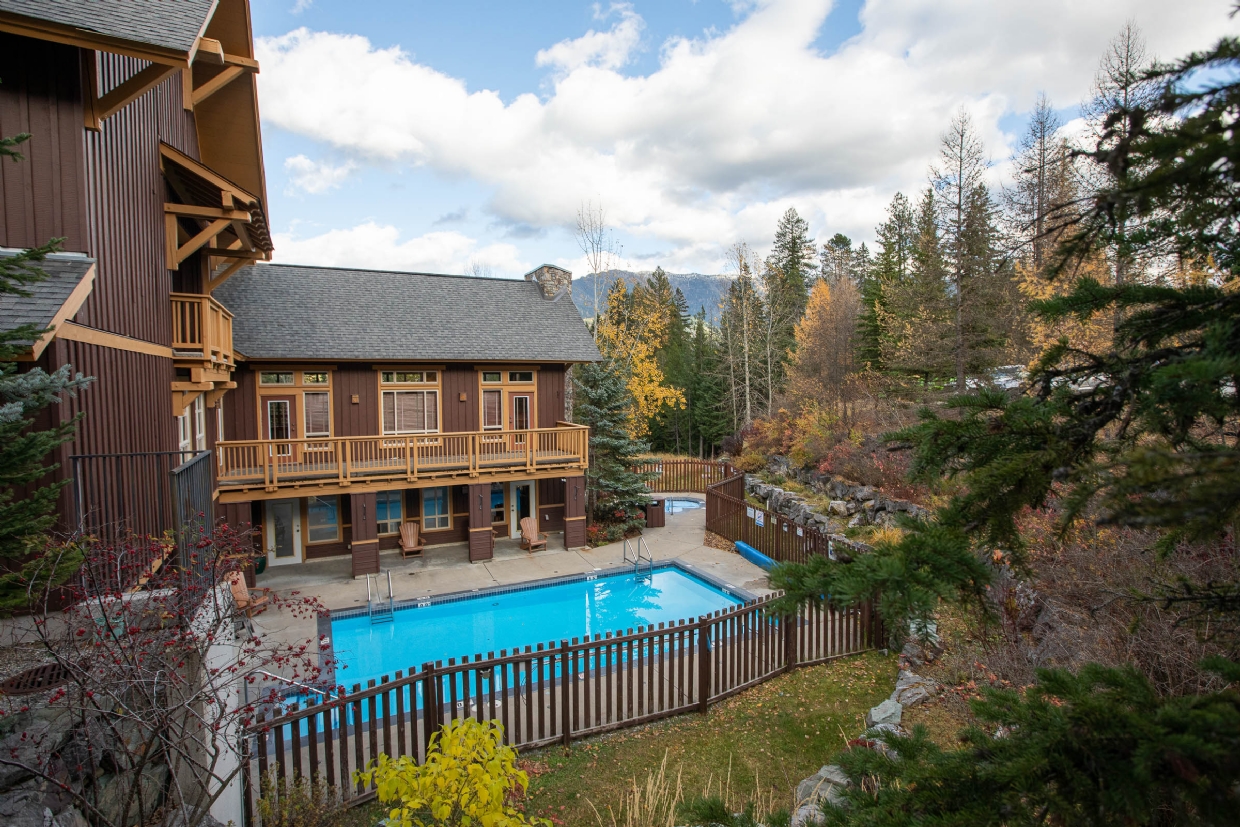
point(652, 804)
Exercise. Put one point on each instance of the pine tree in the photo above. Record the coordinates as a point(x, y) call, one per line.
point(616, 493)
point(890, 267)
point(26, 508)
point(706, 390)
point(789, 271)
point(838, 259)
point(742, 328)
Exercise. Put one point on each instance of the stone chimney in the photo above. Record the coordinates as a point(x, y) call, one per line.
point(551, 280)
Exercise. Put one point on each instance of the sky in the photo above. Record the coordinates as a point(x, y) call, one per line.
point(466, 136)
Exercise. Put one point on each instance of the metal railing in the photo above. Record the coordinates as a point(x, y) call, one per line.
point(633, 554)
point(380, 610)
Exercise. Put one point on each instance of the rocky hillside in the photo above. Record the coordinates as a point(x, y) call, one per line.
point(701, 291)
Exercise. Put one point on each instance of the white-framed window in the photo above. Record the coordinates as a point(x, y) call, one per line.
point(492, 376)
point(520, 376)
point(317, 377)
point(316, 406)
point(492, 410)
point(275, 377)
point(219, 421)
point(323, 519)
point(388, 511)
point(435, 509)
point(185, 433)
point(410, 412)
point(499, 514)
point(200, 423)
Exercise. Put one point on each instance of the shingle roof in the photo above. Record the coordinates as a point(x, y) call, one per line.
point(283, 311)
point(169, 24)
point(47, 296)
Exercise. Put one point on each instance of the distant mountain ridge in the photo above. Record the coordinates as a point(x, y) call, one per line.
point(701, 291)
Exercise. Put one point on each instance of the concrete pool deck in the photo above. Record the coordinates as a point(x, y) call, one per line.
point(446, 569)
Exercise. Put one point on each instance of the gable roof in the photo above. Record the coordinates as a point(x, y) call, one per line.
point(285, 311)
point(172, 25)
point(51, 301)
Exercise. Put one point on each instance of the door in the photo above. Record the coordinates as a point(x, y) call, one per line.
point(520, 420)
point(283, 532)
point(278, 422)
point(522, 499)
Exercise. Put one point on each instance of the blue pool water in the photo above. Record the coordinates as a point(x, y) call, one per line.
point(546, 614)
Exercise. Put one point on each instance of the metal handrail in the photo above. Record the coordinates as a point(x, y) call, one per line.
point(637, 555)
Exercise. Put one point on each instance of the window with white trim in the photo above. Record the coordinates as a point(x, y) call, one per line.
point(435, 509)
point(410, 412)
point(317, 408)
point(275, 377)
point(185, 434)
point(200, 423)
point(492, 410)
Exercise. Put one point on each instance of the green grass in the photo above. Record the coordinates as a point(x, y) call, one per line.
point(781, 731)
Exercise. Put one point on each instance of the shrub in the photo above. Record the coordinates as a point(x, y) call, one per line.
point(469, 778)
point(300, 803)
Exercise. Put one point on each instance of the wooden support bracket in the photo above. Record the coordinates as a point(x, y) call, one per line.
point(199, 241)
point(132, 89)
point(227, 273)
point(194, 211)
point(217, 83)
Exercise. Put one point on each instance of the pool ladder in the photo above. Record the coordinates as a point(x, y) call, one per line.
point(381, 611)
point(634, 555)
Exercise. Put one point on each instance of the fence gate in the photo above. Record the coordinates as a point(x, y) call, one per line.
point(192, 507)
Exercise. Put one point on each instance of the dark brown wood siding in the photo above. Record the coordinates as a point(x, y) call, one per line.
point(550, 395)
point(125, 194)
point(241, 406)
point(457, 415)
point(359, 418)
point(551, 505)
point(44, 196)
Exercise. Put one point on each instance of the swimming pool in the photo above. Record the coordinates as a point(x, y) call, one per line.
point(682, 504)
point(524, 616)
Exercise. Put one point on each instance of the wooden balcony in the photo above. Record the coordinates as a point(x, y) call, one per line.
point(370, 462)
point(202, 334)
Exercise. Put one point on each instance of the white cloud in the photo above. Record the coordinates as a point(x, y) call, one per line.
point(315, 176)
point(734, 126)
point(300, 6)
point(606, 50)
point(380, 247)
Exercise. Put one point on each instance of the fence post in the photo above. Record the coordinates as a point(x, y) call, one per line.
point(430, 707)
point(790, 622)
point(566, 718)
point(703, 648)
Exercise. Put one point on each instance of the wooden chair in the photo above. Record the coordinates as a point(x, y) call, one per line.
point(247, 600)
point(411, 545)
point(530, 538)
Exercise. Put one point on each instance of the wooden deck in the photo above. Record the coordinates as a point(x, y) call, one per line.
point(272, 465)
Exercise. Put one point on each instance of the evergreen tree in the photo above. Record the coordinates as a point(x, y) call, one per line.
point(706, 391)
point(26, 508)
point(789, 271)
point(890, 267)
point(670, 426)
point(616, 493)
point(1139, 434)
point(742, 328)
point(838, 259)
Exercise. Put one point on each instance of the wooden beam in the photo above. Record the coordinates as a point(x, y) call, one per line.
point(195, 211)
point(199, 241)
point(244, 62)
point(90, 90)
point(75, 36)
point(217, 83)
point(187, 89)
point(210, 50)
point(249, 255)
point(67, 310)
point(134, 88)
point(89, 335)
point(229, 189)
point(228, 272)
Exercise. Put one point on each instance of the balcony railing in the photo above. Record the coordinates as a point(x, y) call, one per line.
point(201, 325)
point(272, 464)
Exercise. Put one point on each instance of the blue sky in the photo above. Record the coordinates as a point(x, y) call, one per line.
point(449, 136)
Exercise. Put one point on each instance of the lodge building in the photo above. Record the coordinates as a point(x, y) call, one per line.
point(324, 406)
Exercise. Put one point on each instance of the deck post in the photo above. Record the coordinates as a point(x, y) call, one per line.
point(430, 707)
point(790, 623)
point(703, 648)
point(566, 720)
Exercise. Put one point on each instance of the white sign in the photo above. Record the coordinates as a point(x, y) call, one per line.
point(749, 512)
point(800, 531)
point(761, 518)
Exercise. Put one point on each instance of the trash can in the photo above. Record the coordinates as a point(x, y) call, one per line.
point(655, 514)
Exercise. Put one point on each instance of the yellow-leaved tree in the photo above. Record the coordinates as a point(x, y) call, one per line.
point(630, 333)
point(1092, 335)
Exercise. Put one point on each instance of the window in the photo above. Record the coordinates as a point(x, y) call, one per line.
point(387, 511)
point(200, 423)
point(435, 509)
point(497, 503)
point(271, 377)
point(219, 421)
point(185, 435)
point(410, 412)
point(491, 376)
point(492, 410)
point(520, 376)
point(315, 378)
point(318, 416)
point(409, 377)
point(322, 519)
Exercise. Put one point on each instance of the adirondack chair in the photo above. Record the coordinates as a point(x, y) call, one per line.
point(247, 600)
point(530, 538)
point(411, 544)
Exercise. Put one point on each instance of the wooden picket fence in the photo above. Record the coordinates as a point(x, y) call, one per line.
point(683, 474)
point(545, 694)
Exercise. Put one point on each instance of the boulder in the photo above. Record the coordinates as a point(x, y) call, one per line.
point(825, 785)
point(859, 519)
point(31, 738)
point(838, 489)
point(23, 807)
point(838, 507)
point(114, 791)
point(181, 817)
point(70, 818)
point(912, 689)
point(888, 712)
point(865, 493)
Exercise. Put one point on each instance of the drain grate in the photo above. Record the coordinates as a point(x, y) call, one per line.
point(35, 680)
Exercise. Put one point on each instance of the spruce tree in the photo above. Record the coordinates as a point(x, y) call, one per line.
point(616, 493)
point(26, 508)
